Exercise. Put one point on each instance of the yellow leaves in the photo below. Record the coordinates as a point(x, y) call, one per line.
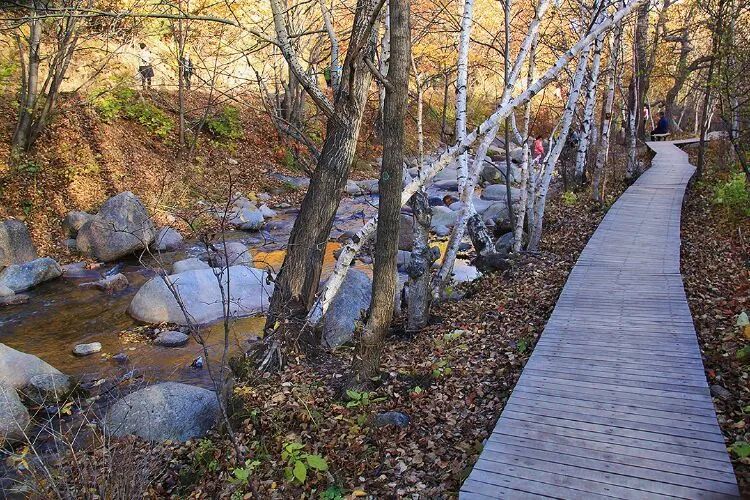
point(359, 493)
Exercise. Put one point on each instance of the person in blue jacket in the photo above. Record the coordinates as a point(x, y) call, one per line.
point(663, 126)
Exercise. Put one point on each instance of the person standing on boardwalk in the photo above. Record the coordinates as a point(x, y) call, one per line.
point(144, 67)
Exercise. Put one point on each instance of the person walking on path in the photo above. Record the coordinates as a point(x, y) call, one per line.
point(144, 66)
point(187, 70)
point(538, 149)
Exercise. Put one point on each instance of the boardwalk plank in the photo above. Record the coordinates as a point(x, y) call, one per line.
point(614, 401)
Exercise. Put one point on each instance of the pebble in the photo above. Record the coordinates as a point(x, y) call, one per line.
point(86, 349)
point(391, 418)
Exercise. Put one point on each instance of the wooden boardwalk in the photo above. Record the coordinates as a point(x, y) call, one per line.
point(613, 402)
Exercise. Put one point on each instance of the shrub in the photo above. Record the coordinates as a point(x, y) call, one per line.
point(569, 198)
point(125, 103)
point(733, 195)
point(226, 125)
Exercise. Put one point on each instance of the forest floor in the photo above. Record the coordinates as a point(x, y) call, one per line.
point(451, 380)
point(716, 270)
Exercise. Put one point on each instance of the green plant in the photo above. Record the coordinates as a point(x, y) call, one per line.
point(734, 195)
point(741, 449)
point(332, 493)
point(241, 475)
point(299, 462)
point(360, 399)
point(441, 369)
point(125, 103)
point(28, 167)
point(569, 198)
point(204, 457)
point(522, 346)
point(226, 125)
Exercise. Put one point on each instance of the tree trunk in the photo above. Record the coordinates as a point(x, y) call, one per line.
point(641, 66)
point(462, 71)
point(385, 57)
point(390, 185)
point(588, 113)
point(22, 134)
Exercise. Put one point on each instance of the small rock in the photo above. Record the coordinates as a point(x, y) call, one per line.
point(5, 291)
point(197, 362)
point(14, 418)
point(267, 212)
point(365, 259)
point(283, 205)
point(720, 392)
point(231, 253)
point(15, 243)
point(190, 264)
point(110, 284)
point(232, 161)
point(171, 338)
point(167, 240)
point(14, 300)
point(48, 388)
point(441, 230)
point(87, 349)
point(264, 196)
point(120, 357)
point(352, 189)
point(395, 418)
point(73, 222)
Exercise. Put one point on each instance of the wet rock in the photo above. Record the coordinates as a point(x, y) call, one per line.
point(456, 206)
point(120, 357)
point(720, 392)
point(244, 215)
point(5, 291)
point(190, 264)
point(171, 338)
point(14, 417)
point(346, 236)
point(49, 388)
point(406, 232)
point(18, 368)
point(73, 222)
point(15, 243)
point(403, 259)
point(87, 349)
point(30, 274)
point(231, 253)
point(169, 410)
point(346, 308)
point(167, 239)
point(71, 245)
point(121, 227)
point(293, 182)
point(264, 196)
point(14, 300)
point(267, 212)
point(365, 259)
point(200, 294)
point(110, 284)
point(491, 174)
point(395, 418)
point(443, 216)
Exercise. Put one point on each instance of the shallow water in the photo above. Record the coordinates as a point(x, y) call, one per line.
point(61, 314)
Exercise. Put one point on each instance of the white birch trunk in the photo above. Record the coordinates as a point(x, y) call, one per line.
point(556, 149)
point(525, 168)
point(588, 112)
point(335, 64)
point(462, 76)
point(603, 151)
point(385, 56)
point(350, 249)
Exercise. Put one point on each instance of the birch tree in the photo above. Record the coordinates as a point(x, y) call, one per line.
point(602, 153)
point(462, 72)
point(588, 112)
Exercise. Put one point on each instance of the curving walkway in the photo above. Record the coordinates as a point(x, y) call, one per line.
point(614, 401)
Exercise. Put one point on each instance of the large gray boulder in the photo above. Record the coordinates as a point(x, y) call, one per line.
point(14, 417)
point(121, 227)
point(496, 211)
point(15, 243)
point(26, 276)
point(352, 300)
point(190, 264)
point(17, 368)
point(443, 216)
point(497, 192)
point(248, 294)
point(169, 410)
point(74, 221)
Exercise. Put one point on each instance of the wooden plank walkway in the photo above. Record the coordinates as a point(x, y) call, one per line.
point(613, 402)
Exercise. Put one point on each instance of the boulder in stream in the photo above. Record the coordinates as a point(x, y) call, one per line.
point(14, 417)
point(167, 239)
point(169, 410)
point(16, 246)
point(498, 192)
point(231, 253)
point(443, 216)
point(190, 264)
point(48, 388)
point(28, 275)
point(121, 227)
point(110, 284)
point(201, 296)
point(87, 349)
point(18, 368)
point(171, 338)
point(352, 300)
